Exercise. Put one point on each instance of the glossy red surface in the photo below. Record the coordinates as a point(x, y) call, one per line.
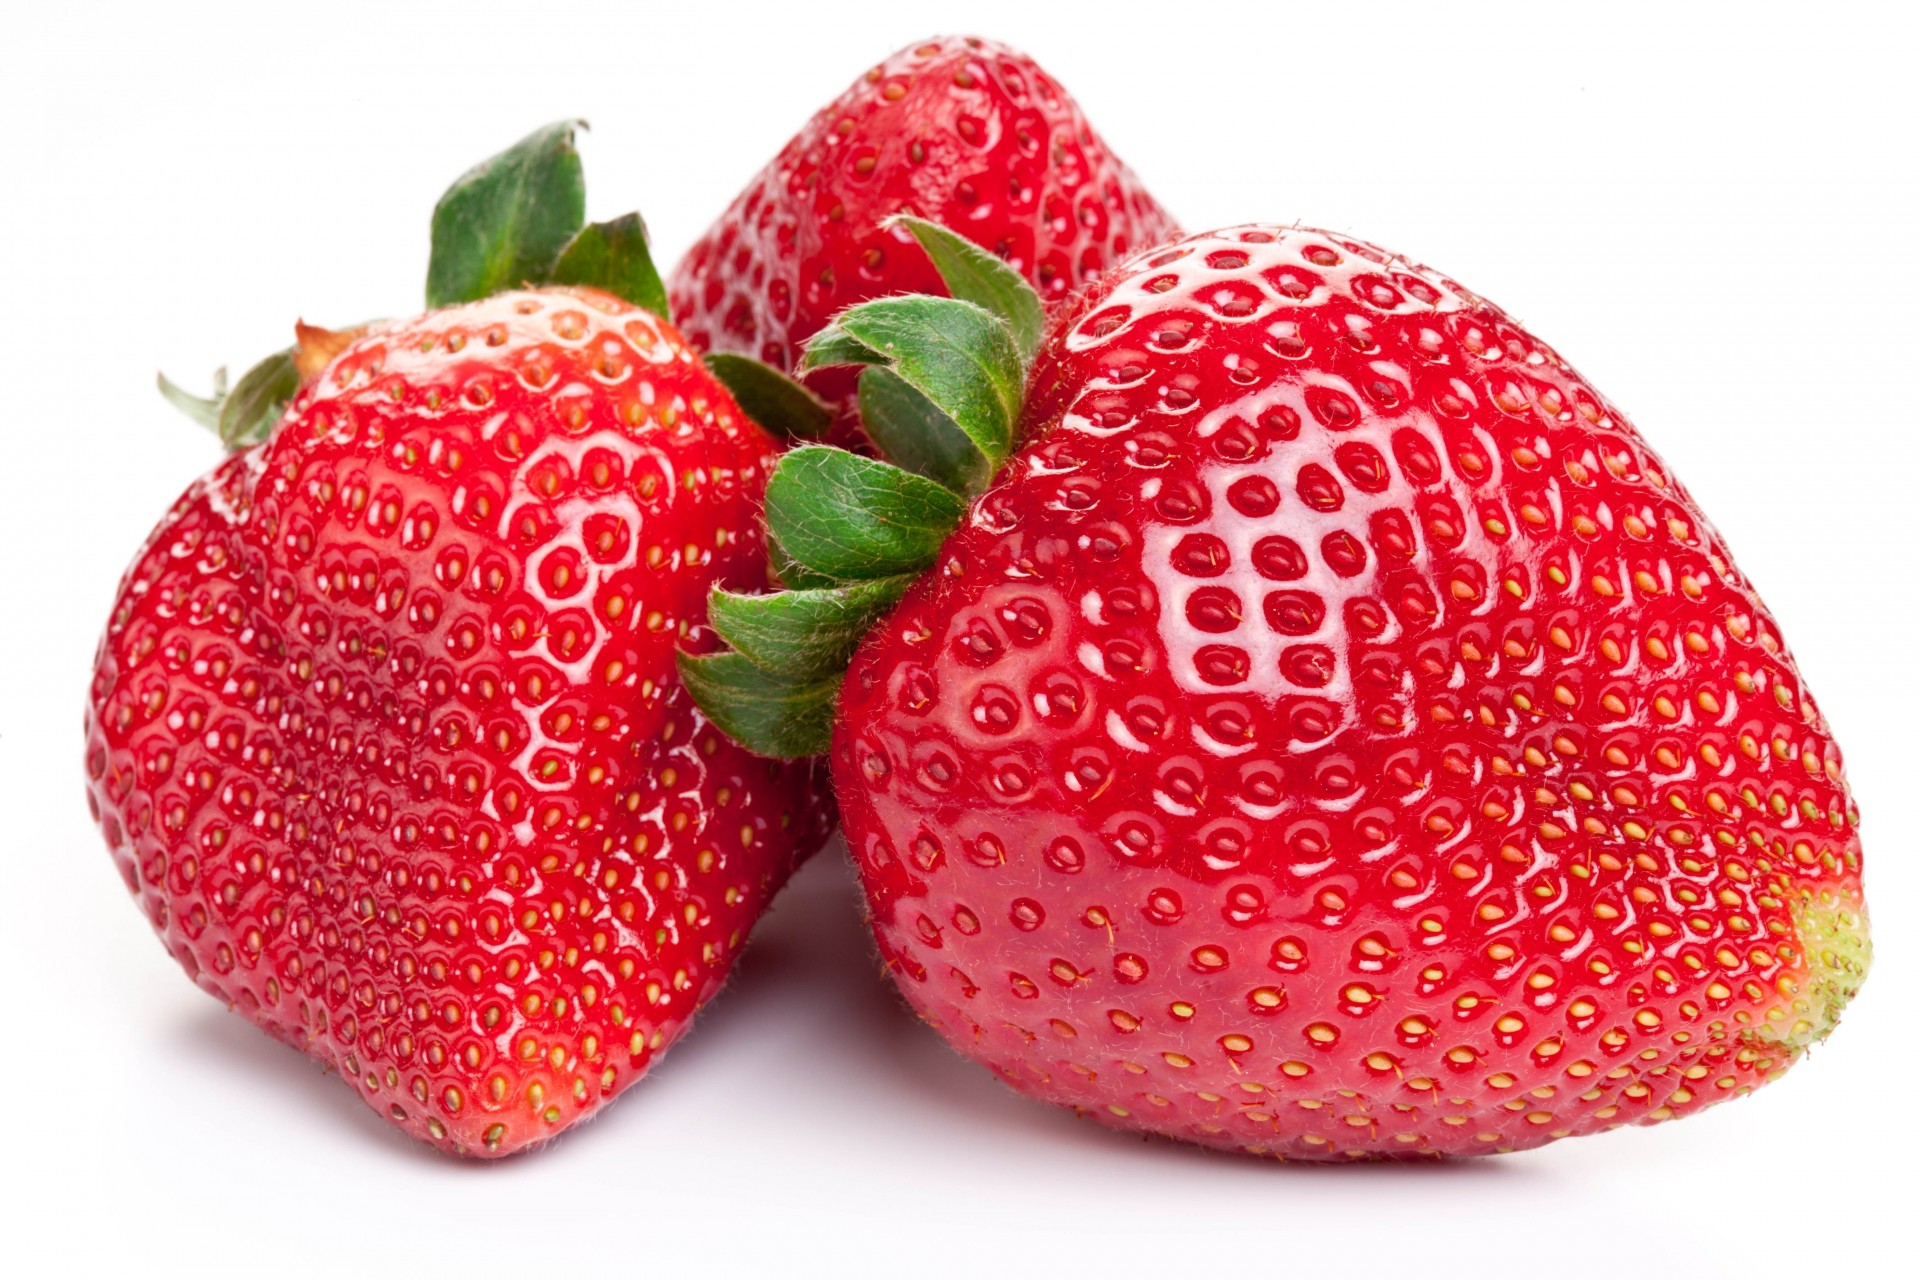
point(1338, 734)
point(959, 130)
point(386, 735)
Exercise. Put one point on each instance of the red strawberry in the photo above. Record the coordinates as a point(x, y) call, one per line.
point(385, 732)
point(962, 131)
point(1334, 734)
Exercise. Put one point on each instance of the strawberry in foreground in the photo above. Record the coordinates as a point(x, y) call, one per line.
point(1333, 733)
point(962, 131)
point(385, 732)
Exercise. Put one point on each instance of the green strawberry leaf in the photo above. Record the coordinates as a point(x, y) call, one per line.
point(833, 345)
point(769, 715)
point(958, 355)
point(613, 256)
point(782, 406)
point(853, 518)
point(252, 409)
point(204, 410)
point(911, 432)
point(790, 573)
point(976, 276)
point(505, 221)
point(802, 635)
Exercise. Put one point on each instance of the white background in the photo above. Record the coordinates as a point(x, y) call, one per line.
point(1711, 210)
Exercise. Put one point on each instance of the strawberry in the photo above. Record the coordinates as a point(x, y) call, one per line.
point(959, 130)
point(1334, 733)
point(385, 734)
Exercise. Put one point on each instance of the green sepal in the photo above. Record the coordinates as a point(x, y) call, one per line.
point(956, 354)
point(790, 573)
point(247, 414)
point(911, 432)
point(833, 345)
point(940, 394)
point(613, 256)
point(779, 404)
point(204, 410)
point(505, 221)
point(767, 714)
point(854, 518)
point(802, 635)
point(253, 408)
point(976, 276)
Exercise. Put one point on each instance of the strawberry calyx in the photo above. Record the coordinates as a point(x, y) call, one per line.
point(516, 219)
point(940, 388)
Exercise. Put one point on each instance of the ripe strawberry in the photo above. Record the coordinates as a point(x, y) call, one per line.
point(962, 131)
point(385, 733)
point(1334, 734)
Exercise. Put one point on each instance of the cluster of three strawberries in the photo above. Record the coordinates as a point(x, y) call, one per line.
point(1271, 699)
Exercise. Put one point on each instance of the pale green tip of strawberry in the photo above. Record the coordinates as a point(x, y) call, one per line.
point(1834, 940)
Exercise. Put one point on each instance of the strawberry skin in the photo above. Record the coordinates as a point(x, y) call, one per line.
point(385, 734)
point(958, 130)
point(1337, 734)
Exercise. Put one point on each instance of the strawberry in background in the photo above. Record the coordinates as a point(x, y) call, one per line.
point(385, 733)
point(1282, 705)
point(960, 131)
